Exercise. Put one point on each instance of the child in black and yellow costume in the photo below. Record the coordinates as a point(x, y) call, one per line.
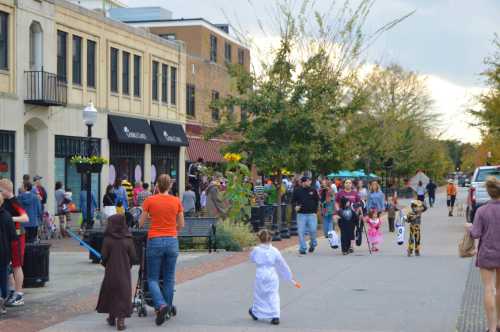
point(414, 218)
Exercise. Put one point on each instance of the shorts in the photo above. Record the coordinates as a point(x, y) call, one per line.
point(17, 251)
point(451, 201)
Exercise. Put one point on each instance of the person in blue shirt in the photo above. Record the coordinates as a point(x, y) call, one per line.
point(33, 206)
point(121, 193)
point(87, 224)
point(376, 199)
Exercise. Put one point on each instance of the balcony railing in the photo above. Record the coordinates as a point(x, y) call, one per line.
point(45, 89)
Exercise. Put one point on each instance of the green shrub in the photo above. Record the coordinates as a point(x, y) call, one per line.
point(234, 236)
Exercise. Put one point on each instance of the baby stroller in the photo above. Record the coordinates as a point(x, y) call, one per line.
point(133, 216)
point(142, 296)
point(139, 302)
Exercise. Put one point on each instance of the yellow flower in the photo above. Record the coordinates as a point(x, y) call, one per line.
point(232, 157)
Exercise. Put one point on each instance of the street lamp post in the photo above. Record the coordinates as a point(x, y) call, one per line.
point(89, 118)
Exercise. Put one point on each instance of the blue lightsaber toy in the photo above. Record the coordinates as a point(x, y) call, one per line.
point(85, 244)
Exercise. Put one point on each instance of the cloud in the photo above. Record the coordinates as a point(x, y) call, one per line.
point(452, 101)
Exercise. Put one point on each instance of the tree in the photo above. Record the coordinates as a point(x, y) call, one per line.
point(489, 115)
point(396, 122)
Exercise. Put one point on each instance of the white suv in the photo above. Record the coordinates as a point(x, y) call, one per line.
point(477, 191)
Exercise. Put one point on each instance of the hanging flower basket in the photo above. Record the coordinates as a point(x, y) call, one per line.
point(88, 164)
point(88, 168)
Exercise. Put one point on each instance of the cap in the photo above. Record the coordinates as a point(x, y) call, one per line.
point(37, 177)
point(304, 179)
point(450, 181)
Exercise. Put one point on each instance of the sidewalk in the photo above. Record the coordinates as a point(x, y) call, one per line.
point(74, 284)
point(384, 292)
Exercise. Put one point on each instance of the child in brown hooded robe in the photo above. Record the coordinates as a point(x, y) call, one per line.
point(118, 253)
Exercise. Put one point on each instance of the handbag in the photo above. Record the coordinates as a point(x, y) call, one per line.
point(400, 229)
point(466, 247)
point(333, 238)
point(108, 211)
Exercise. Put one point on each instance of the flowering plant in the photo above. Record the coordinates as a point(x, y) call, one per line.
point(93, 160)
point(232, 157)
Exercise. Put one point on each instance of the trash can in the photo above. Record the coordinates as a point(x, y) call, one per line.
point(36, 264)
point(94, 239)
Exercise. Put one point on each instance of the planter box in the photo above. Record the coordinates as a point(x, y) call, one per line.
point(36, 264)
point(88, 168)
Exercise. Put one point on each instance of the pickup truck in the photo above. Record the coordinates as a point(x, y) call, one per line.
point(477, 191)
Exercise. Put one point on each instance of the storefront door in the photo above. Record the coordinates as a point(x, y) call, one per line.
point(7, 155)
point(126, 160)
point(65, 172)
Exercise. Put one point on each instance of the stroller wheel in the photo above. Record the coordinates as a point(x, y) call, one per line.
point(143, 312)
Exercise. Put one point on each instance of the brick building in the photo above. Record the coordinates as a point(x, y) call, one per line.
point(209, 48)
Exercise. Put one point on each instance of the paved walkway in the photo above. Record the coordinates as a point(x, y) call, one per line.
point(384, 292)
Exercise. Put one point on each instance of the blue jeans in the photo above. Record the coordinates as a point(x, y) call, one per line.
point(327, 224)
point(4, 274)
point(162, 252)
point(307, 223)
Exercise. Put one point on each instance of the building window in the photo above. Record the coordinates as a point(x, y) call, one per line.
point(173, 85)
point(62, 38)
point(91, 63)
point(190, 100)
point(241, 56)
point(126, 73)
point(77, 60)
point(227, 52)
point(154, 77)
point(213, 48)
point(164, 83)
point(215, 110)
point(4, 40)
point(137, 76)
point(168, 36)
point(114, 69)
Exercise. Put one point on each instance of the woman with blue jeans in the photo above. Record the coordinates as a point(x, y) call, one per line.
point(327, 207)
point(376, 199)
point(167, 218)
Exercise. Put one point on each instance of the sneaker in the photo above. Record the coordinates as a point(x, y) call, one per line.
point(250, 312)
point(10, 297)
point(302, 252)
point(3, 311)
point(417, 253)
point(410, 253)
point(17, 301)
point(450, 214)
point(351, 250)
point(275, 321)
point(161, 315)
point(311, 248)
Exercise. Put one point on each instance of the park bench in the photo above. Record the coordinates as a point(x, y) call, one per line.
point(200, 228)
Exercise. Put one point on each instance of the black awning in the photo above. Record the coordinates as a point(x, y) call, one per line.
point(130, 130)
point(171, 134)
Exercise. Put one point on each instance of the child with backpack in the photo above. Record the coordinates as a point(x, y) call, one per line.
point(270, 266)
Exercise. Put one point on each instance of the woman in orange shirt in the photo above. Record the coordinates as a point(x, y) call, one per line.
point(167, 218)
point(451, 195)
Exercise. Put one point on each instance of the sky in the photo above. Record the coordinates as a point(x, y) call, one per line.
point(445, 41)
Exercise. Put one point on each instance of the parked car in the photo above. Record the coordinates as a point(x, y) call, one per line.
point(477, 192)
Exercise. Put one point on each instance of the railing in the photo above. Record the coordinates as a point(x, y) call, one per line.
point(46, 89)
